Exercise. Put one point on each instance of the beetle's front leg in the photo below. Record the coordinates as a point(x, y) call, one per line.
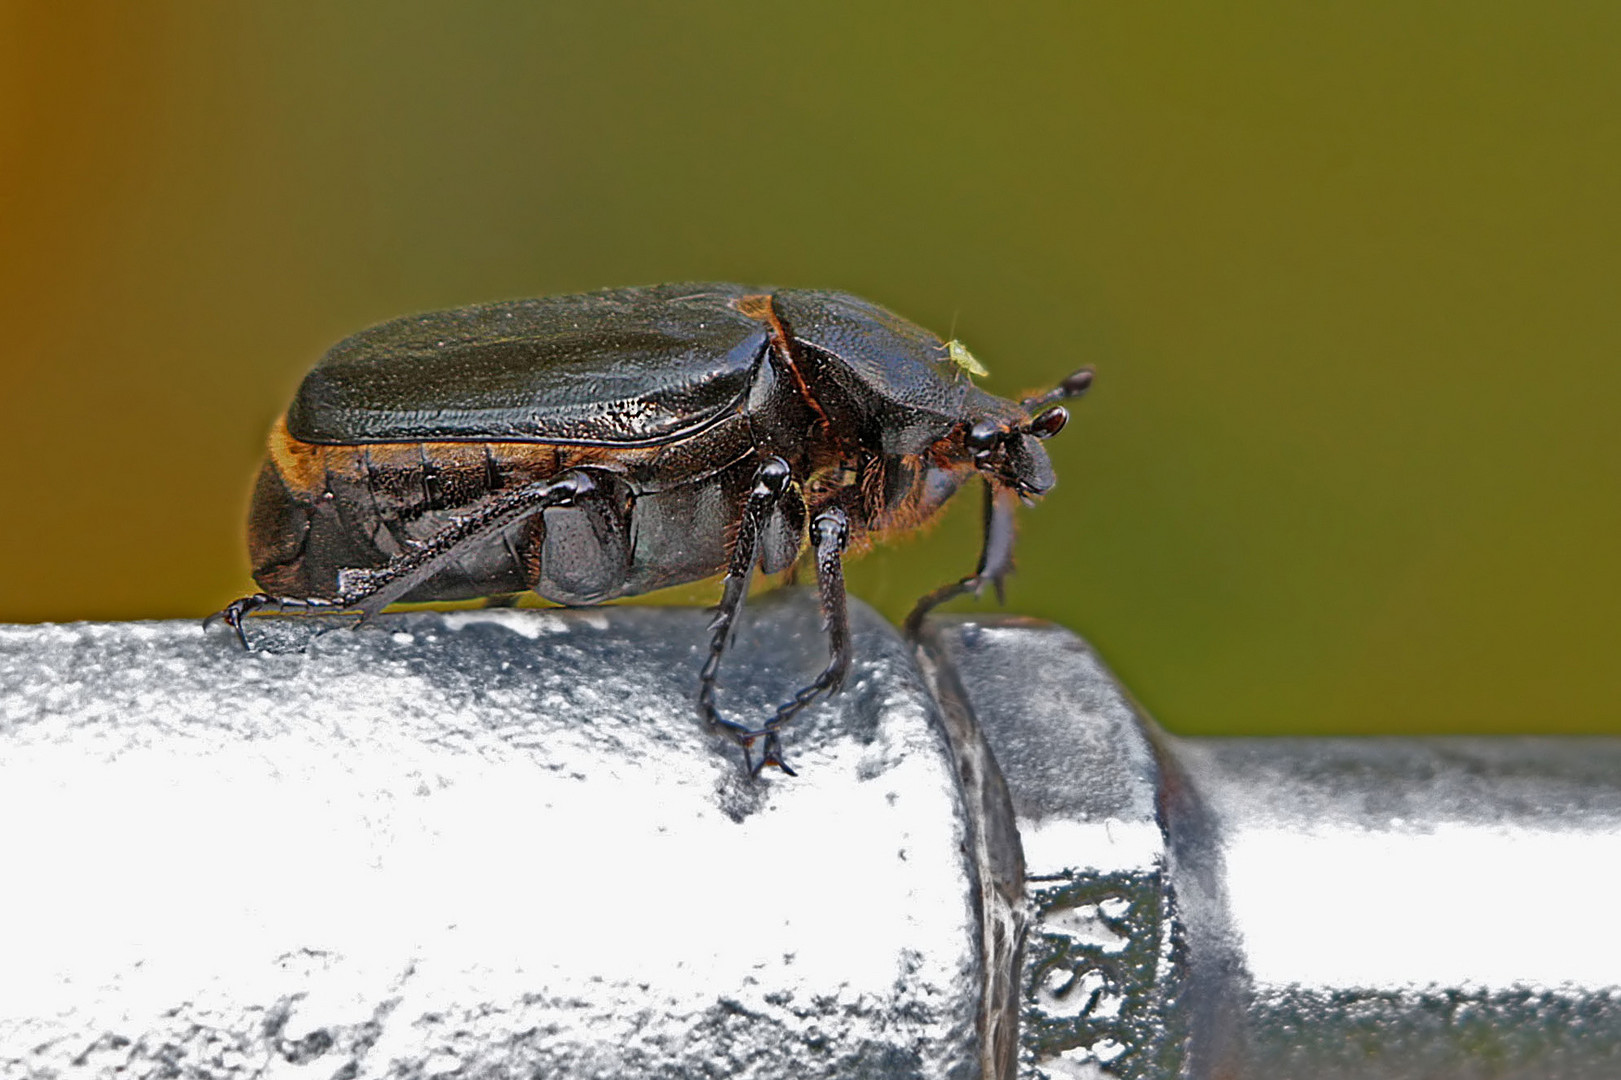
point(995, 558)
point(830, 535)
point(370, 591)
point(771, 485)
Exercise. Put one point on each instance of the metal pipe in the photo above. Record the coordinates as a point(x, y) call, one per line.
point(1324, 908)
point(498, 843)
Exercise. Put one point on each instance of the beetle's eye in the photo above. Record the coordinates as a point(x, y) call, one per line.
point(1049, 423)
point(983, 436)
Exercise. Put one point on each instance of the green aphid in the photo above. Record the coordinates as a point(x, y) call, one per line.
point(964, 359)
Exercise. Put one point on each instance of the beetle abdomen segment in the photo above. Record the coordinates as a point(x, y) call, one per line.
point(320, 510)
point(684, 533)
point(581, 554)
point(278, 535)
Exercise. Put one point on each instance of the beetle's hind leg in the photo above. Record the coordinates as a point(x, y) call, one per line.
point(236, 611)
point(830, 535)
point(368, 592)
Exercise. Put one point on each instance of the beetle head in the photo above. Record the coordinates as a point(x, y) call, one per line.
point(1008, 450)
point(1005, 442)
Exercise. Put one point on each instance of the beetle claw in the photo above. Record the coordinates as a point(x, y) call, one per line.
point(975, 586)
point(771, 755)
point(236, 611)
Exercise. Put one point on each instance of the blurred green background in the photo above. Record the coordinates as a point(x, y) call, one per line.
point(1348, 275)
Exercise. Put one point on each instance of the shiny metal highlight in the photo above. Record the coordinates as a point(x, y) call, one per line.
point(498, 843)
point(1311, 908)
point(480, 844)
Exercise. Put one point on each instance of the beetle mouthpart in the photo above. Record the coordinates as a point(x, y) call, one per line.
point(1030, 490)
point(1029, 494)
point(1025, 467)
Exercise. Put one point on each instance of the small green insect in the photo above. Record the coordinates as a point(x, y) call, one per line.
point(964, 359)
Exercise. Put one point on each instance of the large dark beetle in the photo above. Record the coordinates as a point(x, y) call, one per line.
point(616, 442)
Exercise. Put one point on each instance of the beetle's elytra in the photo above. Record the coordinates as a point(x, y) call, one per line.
point(611, 443)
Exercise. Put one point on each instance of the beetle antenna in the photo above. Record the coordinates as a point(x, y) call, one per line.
point(1074, 386)
point(1047, 423)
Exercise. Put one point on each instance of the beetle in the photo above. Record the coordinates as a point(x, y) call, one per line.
point(610, 443)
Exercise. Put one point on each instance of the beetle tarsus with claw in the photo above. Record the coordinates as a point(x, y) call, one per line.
point(612, 443)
